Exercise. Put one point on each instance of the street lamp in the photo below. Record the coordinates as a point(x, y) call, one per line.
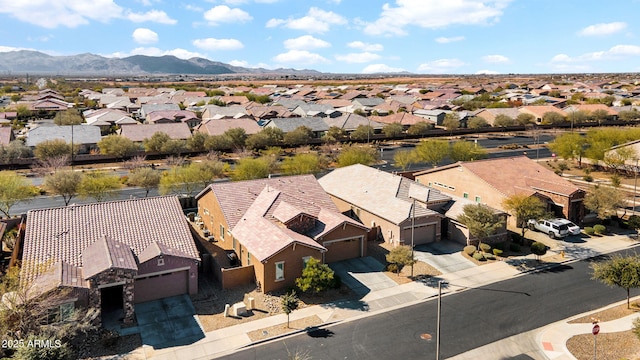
point(440, 283)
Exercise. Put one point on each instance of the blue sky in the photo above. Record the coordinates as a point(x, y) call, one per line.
point(341, 36)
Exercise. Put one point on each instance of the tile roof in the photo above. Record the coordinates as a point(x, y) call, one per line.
point(59, 274)
point(64, 233)
point(219, 126)
point(157, 249)
point(289, 124)
point(81, 134)
point(107, 253)
point(378, 192)
point(137, 133)
point(350, 122)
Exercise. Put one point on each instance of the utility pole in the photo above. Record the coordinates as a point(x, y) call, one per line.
point(440, 283)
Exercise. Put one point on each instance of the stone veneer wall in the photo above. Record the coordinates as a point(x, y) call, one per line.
point(114, 276)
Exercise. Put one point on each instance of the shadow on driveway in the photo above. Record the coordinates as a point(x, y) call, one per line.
point(362, 275)
point(168, 322)
point(443, 255)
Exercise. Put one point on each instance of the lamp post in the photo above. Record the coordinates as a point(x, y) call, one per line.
point(440, 283)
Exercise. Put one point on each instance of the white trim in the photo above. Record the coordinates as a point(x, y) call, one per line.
point(111, 284)
point(276, 272)
point(343, 239)
point(160, 272)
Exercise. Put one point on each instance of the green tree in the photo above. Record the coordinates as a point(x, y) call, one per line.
point(604, 201)
point(99, 185)
point(524, 119)
point(191, 178)
point(289, 302)
point(538, 249)
point(620, 271)
point(362, 132)
point(617, 159)
point(401, 256)
point(316, 277)
point(15, 150)
point(300, 136)
point(393, 130)
point(334, 134)
point(14, 188)
point(629, 115)
point(65, 183)
point(451, 122)
point(146, 178)
point(23, 111)
point(552, 118)
point(302, 164)
point(467, 151)
point(404, 159)
point(237, 136)
point(68, 117)
point(419, 128)
point(268, 136)
point(156, 142)
point(481, 220)
point(503, 120)
point(218, 143)
point(477, 122)
point(52, 149)
point(432, 151)
point(197, 141)
point(118, 146)
point(354, 154)
point(524, 207)
point(569, 146)
point(250, 168)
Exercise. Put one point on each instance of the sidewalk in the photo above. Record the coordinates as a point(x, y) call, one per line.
point(550, 341)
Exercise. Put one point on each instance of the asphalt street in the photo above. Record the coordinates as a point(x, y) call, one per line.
point(470, 319)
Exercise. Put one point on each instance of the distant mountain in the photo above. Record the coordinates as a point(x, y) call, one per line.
point(25, 61)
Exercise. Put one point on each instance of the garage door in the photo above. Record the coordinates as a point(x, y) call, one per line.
point(161, 286)
point(424, 234)
point(338, 250)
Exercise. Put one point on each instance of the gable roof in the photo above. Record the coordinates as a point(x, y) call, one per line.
point(350, 122)
point(136, 133)
point(81, 134)
point(219, 126)
point(107, 253)
point(316, 124)
point(380, 193)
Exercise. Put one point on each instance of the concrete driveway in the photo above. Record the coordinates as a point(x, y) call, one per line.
point(168, 322)
point(362, 275)
point(444, 256)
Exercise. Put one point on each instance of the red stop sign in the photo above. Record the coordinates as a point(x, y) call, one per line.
point(596, 329)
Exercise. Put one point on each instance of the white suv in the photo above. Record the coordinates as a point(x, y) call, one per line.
point(573, 228)
point(553, 228)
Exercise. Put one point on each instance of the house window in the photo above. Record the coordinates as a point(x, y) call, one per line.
point(248, 258)
point(280, 271)
point(478, 199)
point(429, 185)
point(305, 261)
point(66, 311)
point(222, 232)
point(465, 195)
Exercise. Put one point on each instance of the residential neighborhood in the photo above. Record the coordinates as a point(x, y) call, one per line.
point(351, 199)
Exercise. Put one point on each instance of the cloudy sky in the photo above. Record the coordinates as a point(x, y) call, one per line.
point(341, 36)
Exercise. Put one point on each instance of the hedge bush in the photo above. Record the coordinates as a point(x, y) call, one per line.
point(497, 252)
point(589, 230)
point(538, 248)
point(392, 268)
point(485, 247)
point(599, 229)
point(469, 250)
point(478, 256)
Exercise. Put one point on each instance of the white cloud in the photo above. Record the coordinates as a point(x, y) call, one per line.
point(440, 66)
point(487, 72)
point(356, 58)
point(218, 44)
point(603, 29)
point(68, 13)
point(144, 36)
point(365, 46)
point(446, 40)
point(244, 63)
point(157, 16)
point(193, 8)
point(305, 42)
point(153, 51)
point(300, 57)
point(614, 53)
point(316, 21)
point(496, 59)
point(434, 14)
point(11, 48)
point(224, 14)
point(381, 68)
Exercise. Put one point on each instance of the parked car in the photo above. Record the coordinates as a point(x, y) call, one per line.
point(553, 228)
point(573, 228)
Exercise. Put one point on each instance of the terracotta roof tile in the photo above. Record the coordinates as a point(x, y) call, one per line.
point(107, 253)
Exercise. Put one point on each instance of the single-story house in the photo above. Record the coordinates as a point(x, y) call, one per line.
point(112, 255)
point(275, 225)
point(219, 126)
point(350, 122)
point(6, 135)
point(138, 133)
point(317, 125)
point(172, 116)
point(86, 137)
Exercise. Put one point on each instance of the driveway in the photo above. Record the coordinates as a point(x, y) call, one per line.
point(362, 275)
point(444, 256)
point(168, 322)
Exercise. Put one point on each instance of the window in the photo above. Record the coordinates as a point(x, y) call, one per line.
point(280, 271)
point(305, 260)
point(221, 232)
point(465, 195)
point(248, 258)
point(478, 199)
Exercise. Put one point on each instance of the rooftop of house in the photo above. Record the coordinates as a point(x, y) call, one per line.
point(140, 132)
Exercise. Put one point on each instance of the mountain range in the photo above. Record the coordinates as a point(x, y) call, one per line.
point(34, 62)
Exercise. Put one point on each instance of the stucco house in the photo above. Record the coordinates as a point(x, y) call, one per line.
point(491, 181)
point(112, 255)
point(273, 226)
point(85, 137)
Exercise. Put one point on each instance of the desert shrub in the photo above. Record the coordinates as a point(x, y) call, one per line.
point(538, 248)
point(587, 178)
point(589, 230)
point(469, 250)
point(497, 252)
point(392, 268)
point(636, 327)
point(478, 256)
point(514, 247)
point(599, 229)
point(489, 256)
point(485, 247)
